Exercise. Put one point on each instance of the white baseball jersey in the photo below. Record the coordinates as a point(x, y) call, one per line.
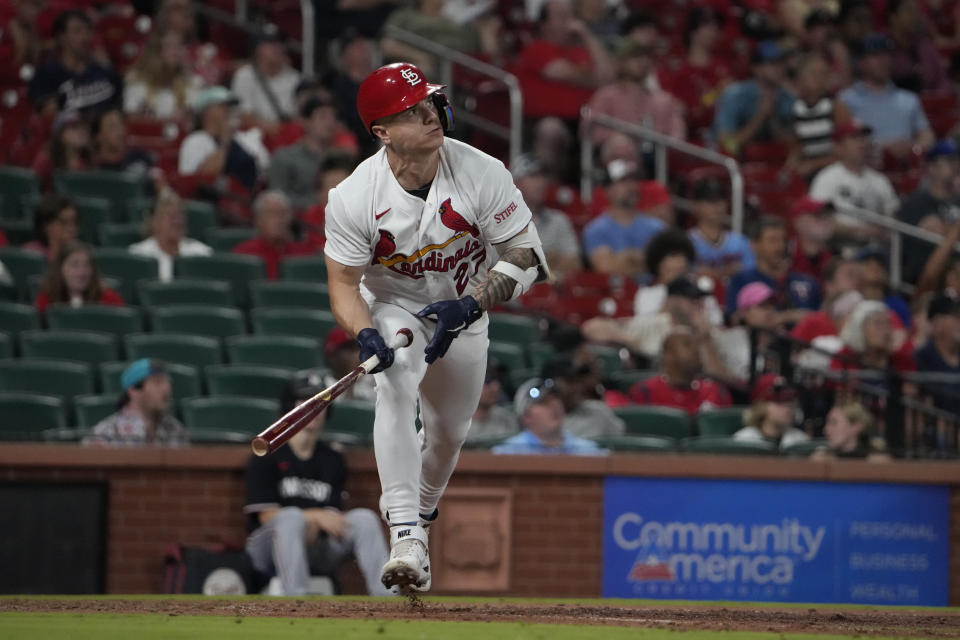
point(417, 252)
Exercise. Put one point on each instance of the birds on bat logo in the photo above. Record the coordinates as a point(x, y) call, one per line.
point(453, 220)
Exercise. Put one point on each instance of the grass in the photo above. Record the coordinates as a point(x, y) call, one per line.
point(71, 626)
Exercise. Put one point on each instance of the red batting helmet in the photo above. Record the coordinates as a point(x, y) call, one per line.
point(395, 87)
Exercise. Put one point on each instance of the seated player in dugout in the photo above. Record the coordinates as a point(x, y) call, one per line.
point(427, 234)
point(295, 519)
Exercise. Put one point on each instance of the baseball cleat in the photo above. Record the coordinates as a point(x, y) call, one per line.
point(408, 568)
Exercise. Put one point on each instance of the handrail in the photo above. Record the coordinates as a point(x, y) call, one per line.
point(308, 31)
point(590, 120)
point(448, 57)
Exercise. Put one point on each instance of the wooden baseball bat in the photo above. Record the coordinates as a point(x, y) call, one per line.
point(292, 422)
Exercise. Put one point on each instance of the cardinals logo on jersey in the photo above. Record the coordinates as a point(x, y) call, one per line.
point(453, 220)
point(386, 246)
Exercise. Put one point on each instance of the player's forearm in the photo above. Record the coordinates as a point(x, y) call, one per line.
point(350, 309)
point(499, 287)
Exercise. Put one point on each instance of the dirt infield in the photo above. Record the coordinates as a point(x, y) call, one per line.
point(858, 622)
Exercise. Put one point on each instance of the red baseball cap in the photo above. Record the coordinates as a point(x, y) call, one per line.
point(391, 89)
point(807, 205)
point(771, 387)
point(652, 194)
point(849, 128)
point(335, 339)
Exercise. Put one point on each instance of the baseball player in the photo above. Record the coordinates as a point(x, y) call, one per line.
point(428, 233)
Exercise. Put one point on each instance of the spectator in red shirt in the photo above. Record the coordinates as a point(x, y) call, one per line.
point(813, 228)
point(333, 170)
point(272, 217)
point(559, 70)
point(55, 223)
point(680, 386)
point(73, 278)
point(701, 76)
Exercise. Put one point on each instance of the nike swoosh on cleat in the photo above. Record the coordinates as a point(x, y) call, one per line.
point(383, 213)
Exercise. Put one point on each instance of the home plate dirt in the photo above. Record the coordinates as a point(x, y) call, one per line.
point(928, 623)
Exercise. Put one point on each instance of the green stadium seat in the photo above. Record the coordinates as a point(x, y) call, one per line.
point(238, 270)
point(186, 291)
point(198, 351)
point(226, 238)
point(15, 184)
point(16, 317)
point(305, 323)
point(204, 320)
point(249, 381)
point(805, 449)
point(521, 330)
point(63, 378)
point(540, 353)
point(83, 346)
point(119, 235)
point(624, 379)
point(275, 351)
point(516, 377)
point(720, 422)
point(92, 409)
point(96, 317)
point(6, 346)
point(728, 446)
point(17, 231)
point(119, 188)
point(201, 218)
point(23, 264)
point(125, 266)
point(304, 268)
point(636, 443)
point(232, 413)
point(280, 293)
point(351, 418)
point(609, 358)
point(91, 214)
point(655, 421)
point(27, 415)
point(185, 379)
point(507, 354)
point(484, 442)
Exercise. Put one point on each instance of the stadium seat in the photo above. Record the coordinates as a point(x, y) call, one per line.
point(83, 346)
point(201, 218)
point(92, 409)
point(6, 346)
point(61, 378)
point(625, 378)
point(17, 231)
point(22, 264)
point(522, 330)
point(116, 320)
point(226, 238)
point(637, 443)
point(540, 353)
point(275, 351)
point(516, 377)
point(655, 421)
point(246, 380)
point(280, 293)
point(205, 320)
point(305, 323)
point(805, 449)
point(233, 413)
point(119, 188)
point(119, 235)
point(27, 415)
point(186, 291)
point(727, 446)
point(720, 422)
point(92, 213)
point(15, 317)
point(507, 355)
point(236, 269)
point(125, 266)
point(198, 351)
point(484, 442)
point(352, 418)
point(304, 268)
point(609, 358)
point(15, 183)
point(185, 379)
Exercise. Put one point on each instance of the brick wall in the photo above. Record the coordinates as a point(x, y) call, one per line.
point(191, 496)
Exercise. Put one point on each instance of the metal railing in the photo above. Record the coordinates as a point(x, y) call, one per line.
point(589, 121)
point(449, 57)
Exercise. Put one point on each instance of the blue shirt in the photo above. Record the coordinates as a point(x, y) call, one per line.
point(946, 395)
point(737, 104)
point(604, 231)
point(893, 114)
point(525, 443)
point(797, 291)
point(733, 248)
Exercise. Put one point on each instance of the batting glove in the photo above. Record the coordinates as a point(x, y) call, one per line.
point(453, 316)
point(371, 343)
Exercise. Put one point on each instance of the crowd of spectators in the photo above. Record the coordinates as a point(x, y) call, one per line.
point(832, 109)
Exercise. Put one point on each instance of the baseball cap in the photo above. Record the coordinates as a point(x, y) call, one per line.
point(621, 170)
point(632, 49)
point(653, 194)
point(686, 288)
point(304, 384)
point(526, 165)
point(140, 370)
point(213, 95)
point(849, 128)
point(269, 33)
point(709, 189)
point(872, 252)
point(808, 206)
point(532, 392)
point(875, 43)
point(772, 387)
point(65, 119)
point(945, 147)
point(334, 340)
point(767, 51)
point(753, 294)
point(942, 305)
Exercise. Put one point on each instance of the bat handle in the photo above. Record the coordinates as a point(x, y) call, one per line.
point(403, 338)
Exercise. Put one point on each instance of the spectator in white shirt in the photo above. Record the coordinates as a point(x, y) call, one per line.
point(160, 84)
point(167, 227)
point(773, 414)
point(849, 183)
point(269, 70)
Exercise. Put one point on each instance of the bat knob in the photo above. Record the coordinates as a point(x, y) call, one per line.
point(407, 335)
point(260, 446)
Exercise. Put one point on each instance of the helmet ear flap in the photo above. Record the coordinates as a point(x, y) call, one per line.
point(444, 110)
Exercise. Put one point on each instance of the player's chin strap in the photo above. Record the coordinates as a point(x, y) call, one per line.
point(525, 278)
